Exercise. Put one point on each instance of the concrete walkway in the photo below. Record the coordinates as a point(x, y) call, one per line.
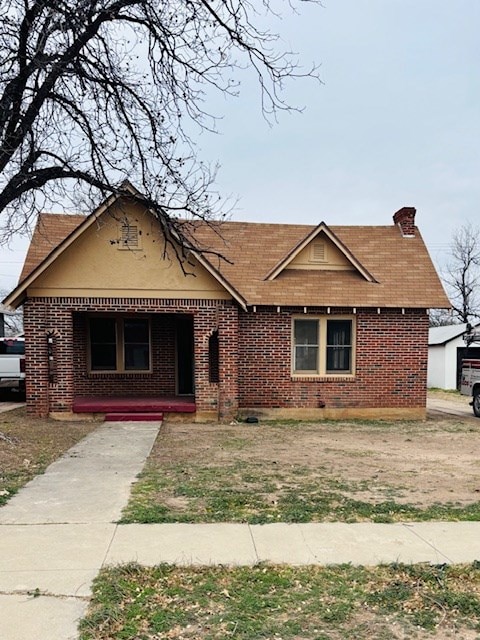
point(60, 530)
point(457, 406)
point(7, 405)
point(56, 533)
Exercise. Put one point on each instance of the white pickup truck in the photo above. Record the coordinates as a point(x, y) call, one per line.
point(470, 381)
point(12, 363)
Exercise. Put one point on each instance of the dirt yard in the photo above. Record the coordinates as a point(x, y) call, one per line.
point(421, 463)
point(311, 471)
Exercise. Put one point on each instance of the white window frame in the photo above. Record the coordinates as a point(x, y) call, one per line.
point(321, 370)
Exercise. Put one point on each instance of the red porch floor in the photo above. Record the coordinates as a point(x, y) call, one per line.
point(134, 404)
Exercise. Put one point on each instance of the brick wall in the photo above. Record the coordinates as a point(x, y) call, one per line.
point(67, 319)
point(391, 362)
point(254, 357)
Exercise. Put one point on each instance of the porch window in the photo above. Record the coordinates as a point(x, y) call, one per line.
point(323, 346)
point(119, 344)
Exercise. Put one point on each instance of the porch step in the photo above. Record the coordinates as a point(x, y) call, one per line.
point(134, 404)
point(134, 417)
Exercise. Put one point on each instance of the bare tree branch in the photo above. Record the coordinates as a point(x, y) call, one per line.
point(462, 273)
point(94, 91)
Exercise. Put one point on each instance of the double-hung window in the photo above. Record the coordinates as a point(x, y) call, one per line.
point(119, 344)
point(323, 346)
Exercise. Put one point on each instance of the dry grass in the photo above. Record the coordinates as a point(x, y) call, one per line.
point(392, 602)
point(303, 472)
point(28, 446)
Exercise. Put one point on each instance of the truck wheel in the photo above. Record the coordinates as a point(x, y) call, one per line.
point(476, 402)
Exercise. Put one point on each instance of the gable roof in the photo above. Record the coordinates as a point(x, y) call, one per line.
point(442, 335)
point(390, 270)
point(310, 237)
point(401, 267)
point(51, 230)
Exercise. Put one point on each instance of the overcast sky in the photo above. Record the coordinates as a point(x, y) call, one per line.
point(395, 123)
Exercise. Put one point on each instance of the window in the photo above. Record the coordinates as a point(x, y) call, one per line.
point(323, 346)
point(119, 344)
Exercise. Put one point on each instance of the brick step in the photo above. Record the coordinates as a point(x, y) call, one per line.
point(150, 416)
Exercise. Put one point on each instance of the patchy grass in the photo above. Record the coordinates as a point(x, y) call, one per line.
point(433, 391)
point(279, 602)
point(29, 445)
point(242, 492)
point(306, 472)
point(452, 395)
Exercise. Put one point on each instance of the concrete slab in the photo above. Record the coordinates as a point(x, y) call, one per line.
point(281, 543)
point(365, 544)
point(183, 544)
point(57, 559)
point(90, 483)
point(60, 583)
point(8, 406)
point(455, 407)
point(456, 542)
point(44, 618)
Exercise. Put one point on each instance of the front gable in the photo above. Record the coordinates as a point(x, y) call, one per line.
point(321, 254)
point(320, 250)
point(123, 254)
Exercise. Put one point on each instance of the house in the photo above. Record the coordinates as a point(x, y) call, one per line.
point(446, 349)
point(296, 321)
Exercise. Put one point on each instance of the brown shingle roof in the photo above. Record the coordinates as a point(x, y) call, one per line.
point(404, 273)
point(401, 266)
point(51, 229)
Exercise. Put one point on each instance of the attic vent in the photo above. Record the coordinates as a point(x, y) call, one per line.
point(130, 237)
point(319, 252)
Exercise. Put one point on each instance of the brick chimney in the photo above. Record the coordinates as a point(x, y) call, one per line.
point(405, 219)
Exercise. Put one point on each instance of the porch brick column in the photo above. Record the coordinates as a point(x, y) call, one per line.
point(228, 365)
point(45, 396)
point(206, 393)
point(61, 389)
point(36, 362)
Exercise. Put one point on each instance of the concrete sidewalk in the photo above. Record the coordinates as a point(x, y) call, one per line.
point(10, 406)
point(57, 531)
point(295, 544)
point(60, 530)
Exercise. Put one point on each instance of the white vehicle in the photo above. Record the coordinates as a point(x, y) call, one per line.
point(12, 363)
point(470, 381)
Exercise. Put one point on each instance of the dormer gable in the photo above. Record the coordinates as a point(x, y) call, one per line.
point(320, 250)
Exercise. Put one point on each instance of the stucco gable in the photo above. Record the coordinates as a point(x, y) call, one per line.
point(320, 250)
point(101, 262)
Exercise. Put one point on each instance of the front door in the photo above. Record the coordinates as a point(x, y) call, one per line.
point(184, 342)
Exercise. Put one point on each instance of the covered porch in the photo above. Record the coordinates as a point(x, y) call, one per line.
point(133, 357)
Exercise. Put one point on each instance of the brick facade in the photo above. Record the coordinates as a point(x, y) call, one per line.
point(51, 388)
point(254, 353)
point(390, 364)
